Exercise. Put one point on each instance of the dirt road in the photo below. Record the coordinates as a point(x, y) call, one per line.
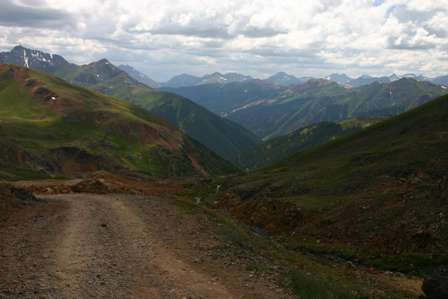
point(118, 246)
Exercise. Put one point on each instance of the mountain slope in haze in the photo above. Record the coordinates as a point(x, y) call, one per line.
point(342, 79)
point(139, 76)
point(218, 78)
point(366, 80)
point(186, 80)
point(181, 80)
point(345, 80)
point(321, 100)
point(442, 80)
point(231, 141)
point(49, 127)
point(377, 197)
point(283, 79)
point(222, 99)
point(270, 110)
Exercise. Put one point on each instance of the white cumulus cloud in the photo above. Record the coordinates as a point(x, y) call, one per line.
point(258, 37)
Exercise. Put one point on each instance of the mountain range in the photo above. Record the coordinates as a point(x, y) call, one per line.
point(227, 139)
point(284, 79)
point(249, 109)
point(271, 110)
point(185, 80)
point(280, 78)
point(347, 81)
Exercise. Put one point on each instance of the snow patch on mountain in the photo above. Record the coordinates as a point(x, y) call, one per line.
point(25, 58)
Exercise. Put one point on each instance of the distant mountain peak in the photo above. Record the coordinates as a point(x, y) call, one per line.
point(409, 75)
point(31, 58)
point(185, 80)
point(284, 79)
point(182, 80)
point(394, 77)
point(220, 78)
point(139, 76)
point(318, 82)
point(103, 61)
point(342, 79)
point(281, 75)
point(404, 80)
point(185, 75)
point(18, 48)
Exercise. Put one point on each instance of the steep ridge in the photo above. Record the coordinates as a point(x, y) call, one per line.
point(377, 197)
point(230, 141)
point(224, 137)
point(49, 127)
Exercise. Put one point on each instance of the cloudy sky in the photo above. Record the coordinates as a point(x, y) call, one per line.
point(257, 37)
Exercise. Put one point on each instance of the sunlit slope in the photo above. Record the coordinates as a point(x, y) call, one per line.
point(49, 127)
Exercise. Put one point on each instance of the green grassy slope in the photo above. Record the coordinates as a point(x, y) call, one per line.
point(49, 127)
point(280, 148)
point(224, 137)
point(378, 197)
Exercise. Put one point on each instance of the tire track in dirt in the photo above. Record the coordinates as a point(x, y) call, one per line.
point(106, 252)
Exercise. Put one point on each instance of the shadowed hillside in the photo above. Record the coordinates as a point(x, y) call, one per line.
point(280, 148)
point(378, 197)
